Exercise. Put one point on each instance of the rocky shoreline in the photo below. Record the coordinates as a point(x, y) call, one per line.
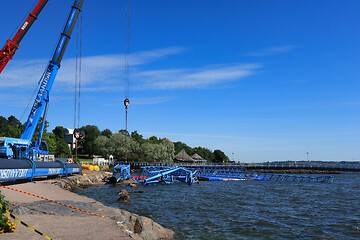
point(131, 225)
point(137, 227)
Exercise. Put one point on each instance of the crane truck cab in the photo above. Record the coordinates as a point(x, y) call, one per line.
point(12, 147)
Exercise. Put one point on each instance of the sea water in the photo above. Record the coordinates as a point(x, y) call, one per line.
point(247, 209)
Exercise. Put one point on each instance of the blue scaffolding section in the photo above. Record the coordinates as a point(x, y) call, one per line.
point(167, 175)
point(121, 173)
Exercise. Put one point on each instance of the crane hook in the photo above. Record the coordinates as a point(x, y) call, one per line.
point(126, 103)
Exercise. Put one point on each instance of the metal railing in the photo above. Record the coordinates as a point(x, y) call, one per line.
point(316, 166)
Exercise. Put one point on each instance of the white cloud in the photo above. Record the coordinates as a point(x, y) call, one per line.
point(195, 78)
point(22, 73)
point(95, 69)
point(104, 73)
point(271, 51)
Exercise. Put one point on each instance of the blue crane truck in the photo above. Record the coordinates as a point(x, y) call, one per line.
point(19, 157)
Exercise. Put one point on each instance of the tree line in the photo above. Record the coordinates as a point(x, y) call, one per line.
point(123, 146)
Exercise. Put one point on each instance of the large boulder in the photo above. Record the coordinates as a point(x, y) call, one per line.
point(124, 198)
point(143, 227)
point(123, 192)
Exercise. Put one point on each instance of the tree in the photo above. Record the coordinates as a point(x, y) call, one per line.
point(220, 156)
point(61, 149)
point(124, 132)
point(37, 130)
point(101, 144)
point(205, 153)
point(137, 137)
point(168, 152)
point(13, 121)
point(179, 145)
point(161, 152)
point(106, 133)
point(148, 152)
point(59, 131)
point(153, 140)
point(106, 143)
point(10, 127)
point(87, 143)
point(50, 140)
point(117, 145)
point(3, 121)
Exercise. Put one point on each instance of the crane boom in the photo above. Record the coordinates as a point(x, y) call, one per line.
point(42, 98)
point(22, 148)
point(11, 45)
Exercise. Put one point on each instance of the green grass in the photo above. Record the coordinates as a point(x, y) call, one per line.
point(84, 160)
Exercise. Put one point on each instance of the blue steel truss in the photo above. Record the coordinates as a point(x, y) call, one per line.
point(121, 173)
point(166, 175)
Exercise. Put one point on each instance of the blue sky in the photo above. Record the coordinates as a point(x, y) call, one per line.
point(260, 80)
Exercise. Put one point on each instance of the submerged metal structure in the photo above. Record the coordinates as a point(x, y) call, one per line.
point(167, 175)
point(235, 173)
point(121, 173)
point(227, 174)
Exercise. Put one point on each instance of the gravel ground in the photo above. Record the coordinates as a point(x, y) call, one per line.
point(57, 221)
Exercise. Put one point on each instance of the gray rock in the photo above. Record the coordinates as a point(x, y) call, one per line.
point(124, 198)
point(138, 226)
point(123, 192)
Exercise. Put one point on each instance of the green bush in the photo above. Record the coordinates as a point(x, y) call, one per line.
point(5, 224)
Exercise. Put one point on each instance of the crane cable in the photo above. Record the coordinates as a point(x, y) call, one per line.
point(126, 60)
point(23, 19)
point(127, 47)
point(77, 86)
point(78, 73)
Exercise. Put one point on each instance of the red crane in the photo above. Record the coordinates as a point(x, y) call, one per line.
point(11, 45)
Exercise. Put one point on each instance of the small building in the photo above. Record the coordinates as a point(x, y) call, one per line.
point(198, 158)
point(70, 138)
point(102, 161)
point(182, 156)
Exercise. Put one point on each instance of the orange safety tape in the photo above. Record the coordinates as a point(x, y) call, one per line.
point(63, 204)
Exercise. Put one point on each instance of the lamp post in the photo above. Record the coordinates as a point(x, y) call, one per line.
point(307, 156)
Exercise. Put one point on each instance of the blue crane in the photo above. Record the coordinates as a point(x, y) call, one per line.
point(13, 148)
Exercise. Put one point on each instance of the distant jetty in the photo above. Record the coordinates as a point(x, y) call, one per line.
point(294, 171)
point(303, 167)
